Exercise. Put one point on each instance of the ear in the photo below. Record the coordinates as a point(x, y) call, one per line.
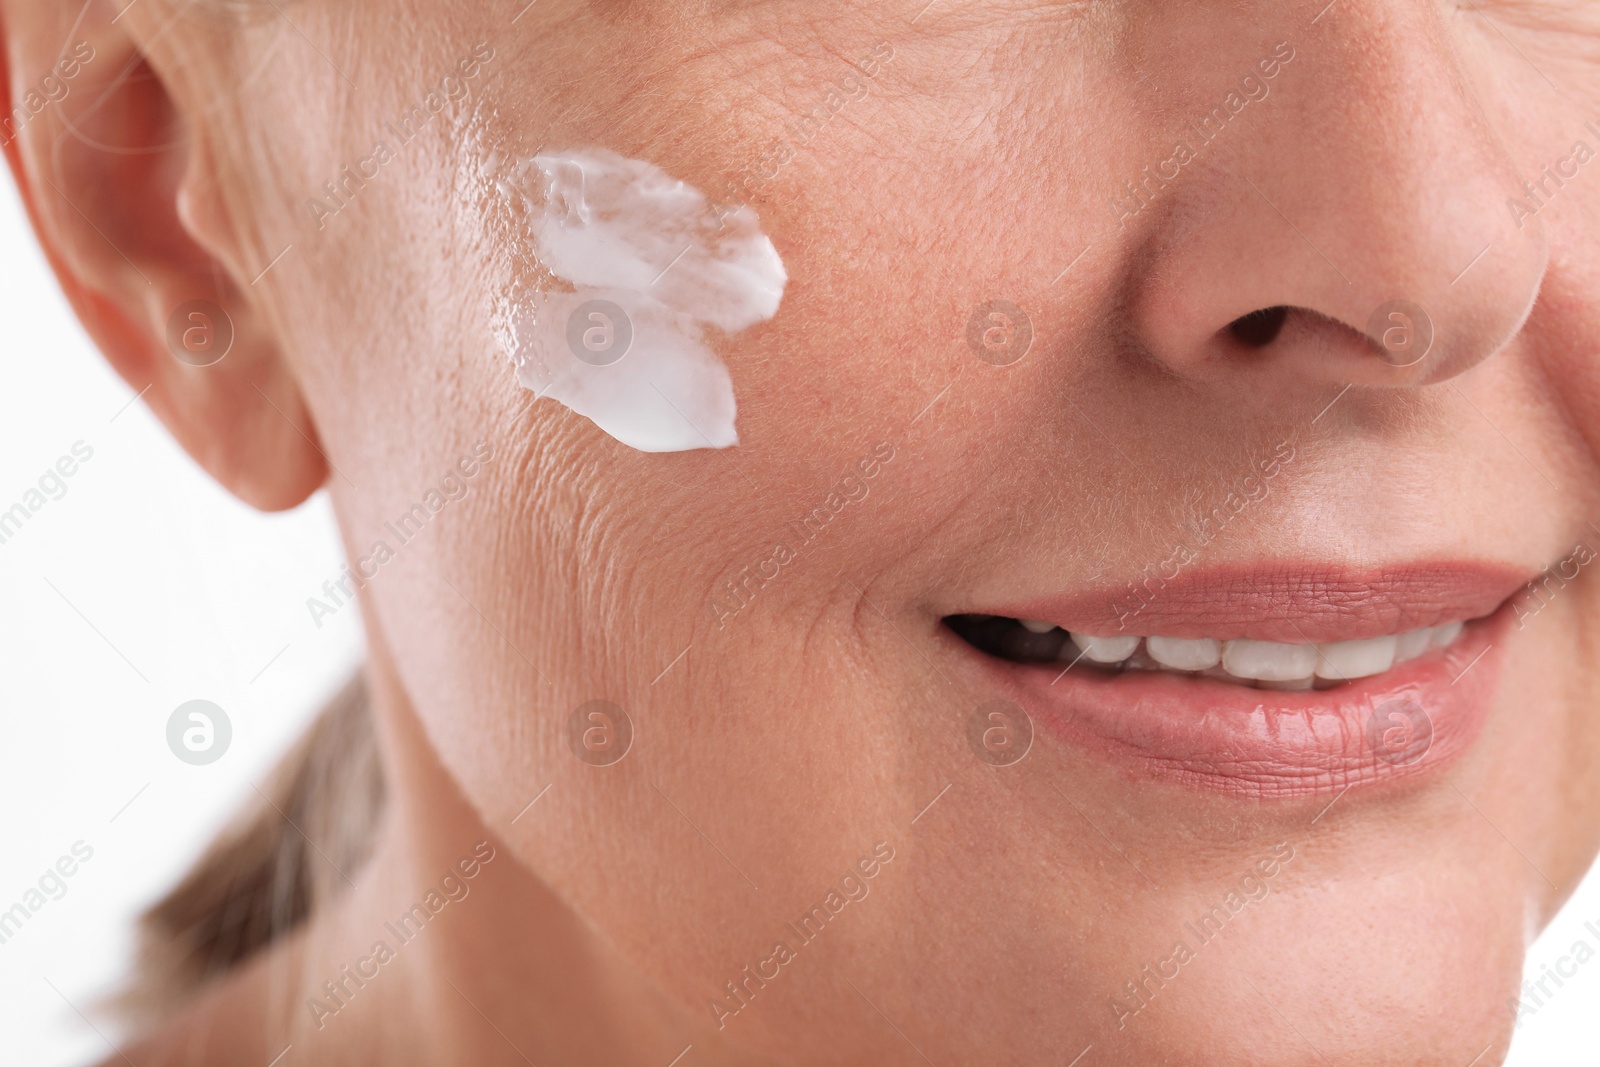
point(122, 190)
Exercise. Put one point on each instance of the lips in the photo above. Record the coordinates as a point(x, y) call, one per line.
point(1410, 720)
point(1283, 602)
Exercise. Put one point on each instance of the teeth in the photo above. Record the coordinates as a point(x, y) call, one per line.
point(1413, 644)
point(1106, 649)
point(1269, 661)
point(1140, 661)
point(1355, 659)
point(1293, 685)
point(1184, 653)
point(1266, 664)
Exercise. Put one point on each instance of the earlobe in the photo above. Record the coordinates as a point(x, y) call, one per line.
point(122, 189)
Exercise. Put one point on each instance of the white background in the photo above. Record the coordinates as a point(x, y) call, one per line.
point(145, 568)
point(175, 581)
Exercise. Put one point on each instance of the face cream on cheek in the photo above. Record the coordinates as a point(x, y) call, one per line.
point(643, 266)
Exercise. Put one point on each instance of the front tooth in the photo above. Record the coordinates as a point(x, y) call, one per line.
point(1447, 634)
point(1185, 653)
point(1355, 659)
point(1413, 644)
point(1105, 649)
point(1268, 661)
point(1037, 626)
point(1292, 686)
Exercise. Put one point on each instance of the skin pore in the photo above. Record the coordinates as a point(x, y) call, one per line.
point(986, 156)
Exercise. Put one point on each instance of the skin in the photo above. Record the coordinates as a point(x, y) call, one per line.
point(823, 718)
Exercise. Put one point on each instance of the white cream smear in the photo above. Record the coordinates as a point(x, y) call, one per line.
point(652, 265)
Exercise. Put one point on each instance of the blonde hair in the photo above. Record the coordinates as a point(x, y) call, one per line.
point(281, 858)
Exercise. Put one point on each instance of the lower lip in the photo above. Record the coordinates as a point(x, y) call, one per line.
point(1262, 744)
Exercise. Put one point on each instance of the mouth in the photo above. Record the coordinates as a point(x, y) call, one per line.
point(1289, 683)
point(1276, 665)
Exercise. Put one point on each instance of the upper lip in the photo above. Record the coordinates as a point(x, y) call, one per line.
point(1295, 603)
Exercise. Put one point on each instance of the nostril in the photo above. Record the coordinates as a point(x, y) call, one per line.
point(1261, 327)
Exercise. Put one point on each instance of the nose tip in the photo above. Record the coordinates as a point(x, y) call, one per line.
point(1412, 349)
point(1462, 329)
point(1379, 251)
point(1396, 342)
point(1403, 303)
point(1401, 342)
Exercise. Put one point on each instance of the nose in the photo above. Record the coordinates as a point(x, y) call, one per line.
point(1354, 220)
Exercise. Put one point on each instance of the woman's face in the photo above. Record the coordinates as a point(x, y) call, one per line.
point(1005, 380)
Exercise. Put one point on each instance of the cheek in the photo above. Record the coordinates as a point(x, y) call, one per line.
point(719, 719)
point(1572, 297)
point(587, 568)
